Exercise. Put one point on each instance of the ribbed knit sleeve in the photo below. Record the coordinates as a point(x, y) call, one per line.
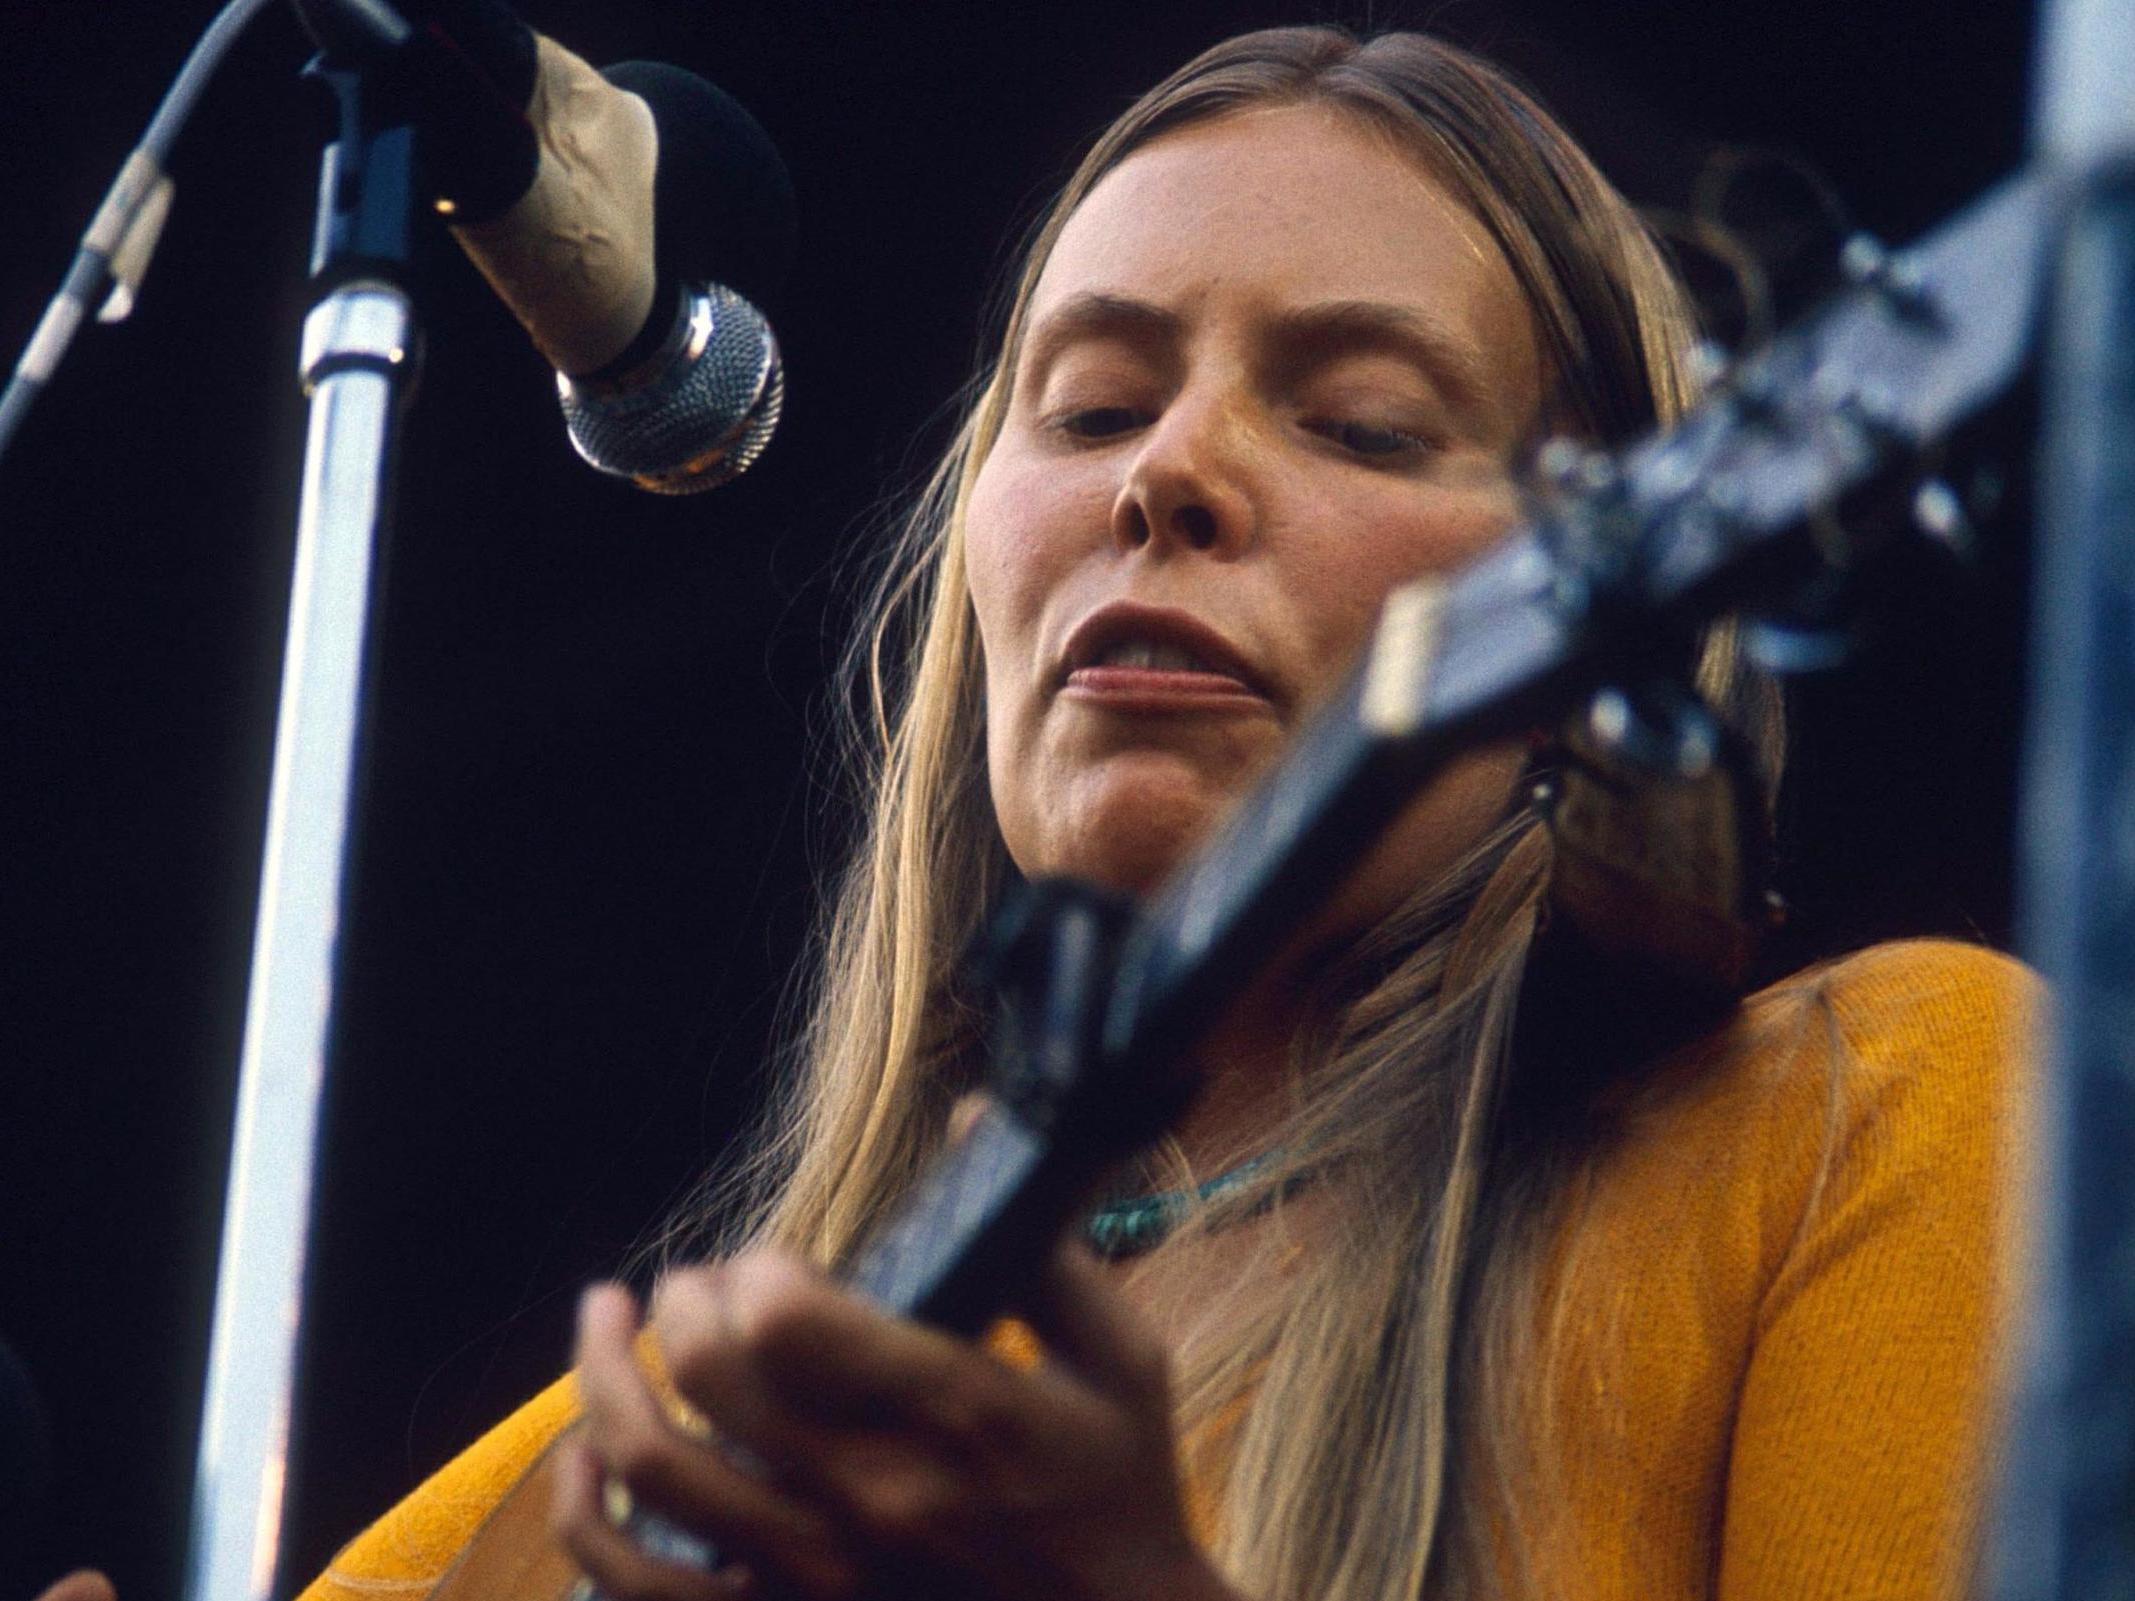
point(407, 1551)
point(1863, 1438)
point(1780, 1305)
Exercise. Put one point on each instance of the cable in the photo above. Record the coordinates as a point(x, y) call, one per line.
point(114, 253)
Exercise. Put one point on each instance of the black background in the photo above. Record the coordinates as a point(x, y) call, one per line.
point(585, 863)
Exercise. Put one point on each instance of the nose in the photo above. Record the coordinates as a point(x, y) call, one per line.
point(1186, 486)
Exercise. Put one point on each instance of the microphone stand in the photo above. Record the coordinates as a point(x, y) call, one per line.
point(359, 364)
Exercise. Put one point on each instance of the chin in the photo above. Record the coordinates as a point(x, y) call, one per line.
point(1127, 828)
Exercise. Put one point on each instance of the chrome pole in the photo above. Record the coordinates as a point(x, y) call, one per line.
point(358, 364)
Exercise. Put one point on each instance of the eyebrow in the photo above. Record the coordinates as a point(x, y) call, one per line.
point(1095, 315)
point(1335, 327)
point(1300, 336)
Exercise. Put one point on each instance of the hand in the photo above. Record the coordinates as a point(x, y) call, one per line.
point(895, 1460)
point(84, 1584)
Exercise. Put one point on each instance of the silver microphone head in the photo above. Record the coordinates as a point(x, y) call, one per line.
point(695, 413)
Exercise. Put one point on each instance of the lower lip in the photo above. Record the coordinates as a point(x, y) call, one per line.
point(1154, 689)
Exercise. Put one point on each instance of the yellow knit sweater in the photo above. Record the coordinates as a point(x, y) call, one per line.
point(1788, 1292)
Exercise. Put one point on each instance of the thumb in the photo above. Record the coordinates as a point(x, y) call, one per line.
point(84, 1584)
point(1089, 1329)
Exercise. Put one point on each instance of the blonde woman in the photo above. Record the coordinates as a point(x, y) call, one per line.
point(1726, 1326)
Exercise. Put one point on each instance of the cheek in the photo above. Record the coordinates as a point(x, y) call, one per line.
point(1019, 542)
point(985, 569)
point(1024, 532)
point(1365, 548)
point(1031, 525)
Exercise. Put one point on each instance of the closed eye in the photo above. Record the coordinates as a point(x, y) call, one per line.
point(1100, 422)
point(1372, 441)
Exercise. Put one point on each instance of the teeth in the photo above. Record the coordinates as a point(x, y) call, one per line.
point(1151, 657)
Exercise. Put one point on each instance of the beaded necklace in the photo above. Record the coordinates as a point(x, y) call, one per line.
point(1132, 1225)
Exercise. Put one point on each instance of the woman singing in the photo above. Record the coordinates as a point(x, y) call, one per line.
point(1393, 1316)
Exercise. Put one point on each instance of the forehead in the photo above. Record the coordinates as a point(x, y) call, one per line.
point(1272, 209)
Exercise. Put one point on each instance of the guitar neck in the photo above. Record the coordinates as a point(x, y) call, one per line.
point(1687, 525)
point(1432, 685)
point(1694, 522)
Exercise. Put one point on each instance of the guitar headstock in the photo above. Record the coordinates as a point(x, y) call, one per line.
point(1620, 552)
point(1866, 384)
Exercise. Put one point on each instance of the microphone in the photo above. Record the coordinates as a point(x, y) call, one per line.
point(633, 221)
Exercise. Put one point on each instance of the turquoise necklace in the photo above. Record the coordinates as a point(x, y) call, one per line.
point(1128, 1227)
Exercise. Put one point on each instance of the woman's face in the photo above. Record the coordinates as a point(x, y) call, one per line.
point(1271, 371)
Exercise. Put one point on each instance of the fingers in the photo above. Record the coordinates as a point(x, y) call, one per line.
point(85, 1584)
point(795, 1367)
point(1088, 1328)
point(899, 1432)
point(618, 1567)
point(629, 1438)
point(875, 1448)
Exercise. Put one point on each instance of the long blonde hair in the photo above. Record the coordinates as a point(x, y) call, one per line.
point(1394, 1350)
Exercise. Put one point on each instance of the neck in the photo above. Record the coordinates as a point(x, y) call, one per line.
point(1246, 1089)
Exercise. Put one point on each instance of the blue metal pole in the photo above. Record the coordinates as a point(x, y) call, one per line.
point(2068, 1508)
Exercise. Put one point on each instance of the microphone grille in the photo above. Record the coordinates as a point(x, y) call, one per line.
point(694, 414)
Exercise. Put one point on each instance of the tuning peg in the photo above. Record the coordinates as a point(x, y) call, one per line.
point(1545, 794)
point(1875, 412)
point(1573, 469)
point(1665, 730)
point(1940, 512)
point(1790, 647)
point(1814, 629)
point(1864, 261)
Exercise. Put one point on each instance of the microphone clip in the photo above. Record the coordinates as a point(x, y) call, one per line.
point(365, 227)
point(474, 153)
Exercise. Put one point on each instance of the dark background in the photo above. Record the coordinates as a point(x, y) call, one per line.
point(586, 857)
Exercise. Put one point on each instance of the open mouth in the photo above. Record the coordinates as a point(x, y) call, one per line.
point(1141, 653)
point(1153, 656)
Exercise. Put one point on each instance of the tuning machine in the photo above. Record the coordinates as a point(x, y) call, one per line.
point(1816, 629)
point(1867, 263)
point(1585, 517)
point(1950, 512)
point(1658, 729)
point(1663, 731)
point(1570, 469)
